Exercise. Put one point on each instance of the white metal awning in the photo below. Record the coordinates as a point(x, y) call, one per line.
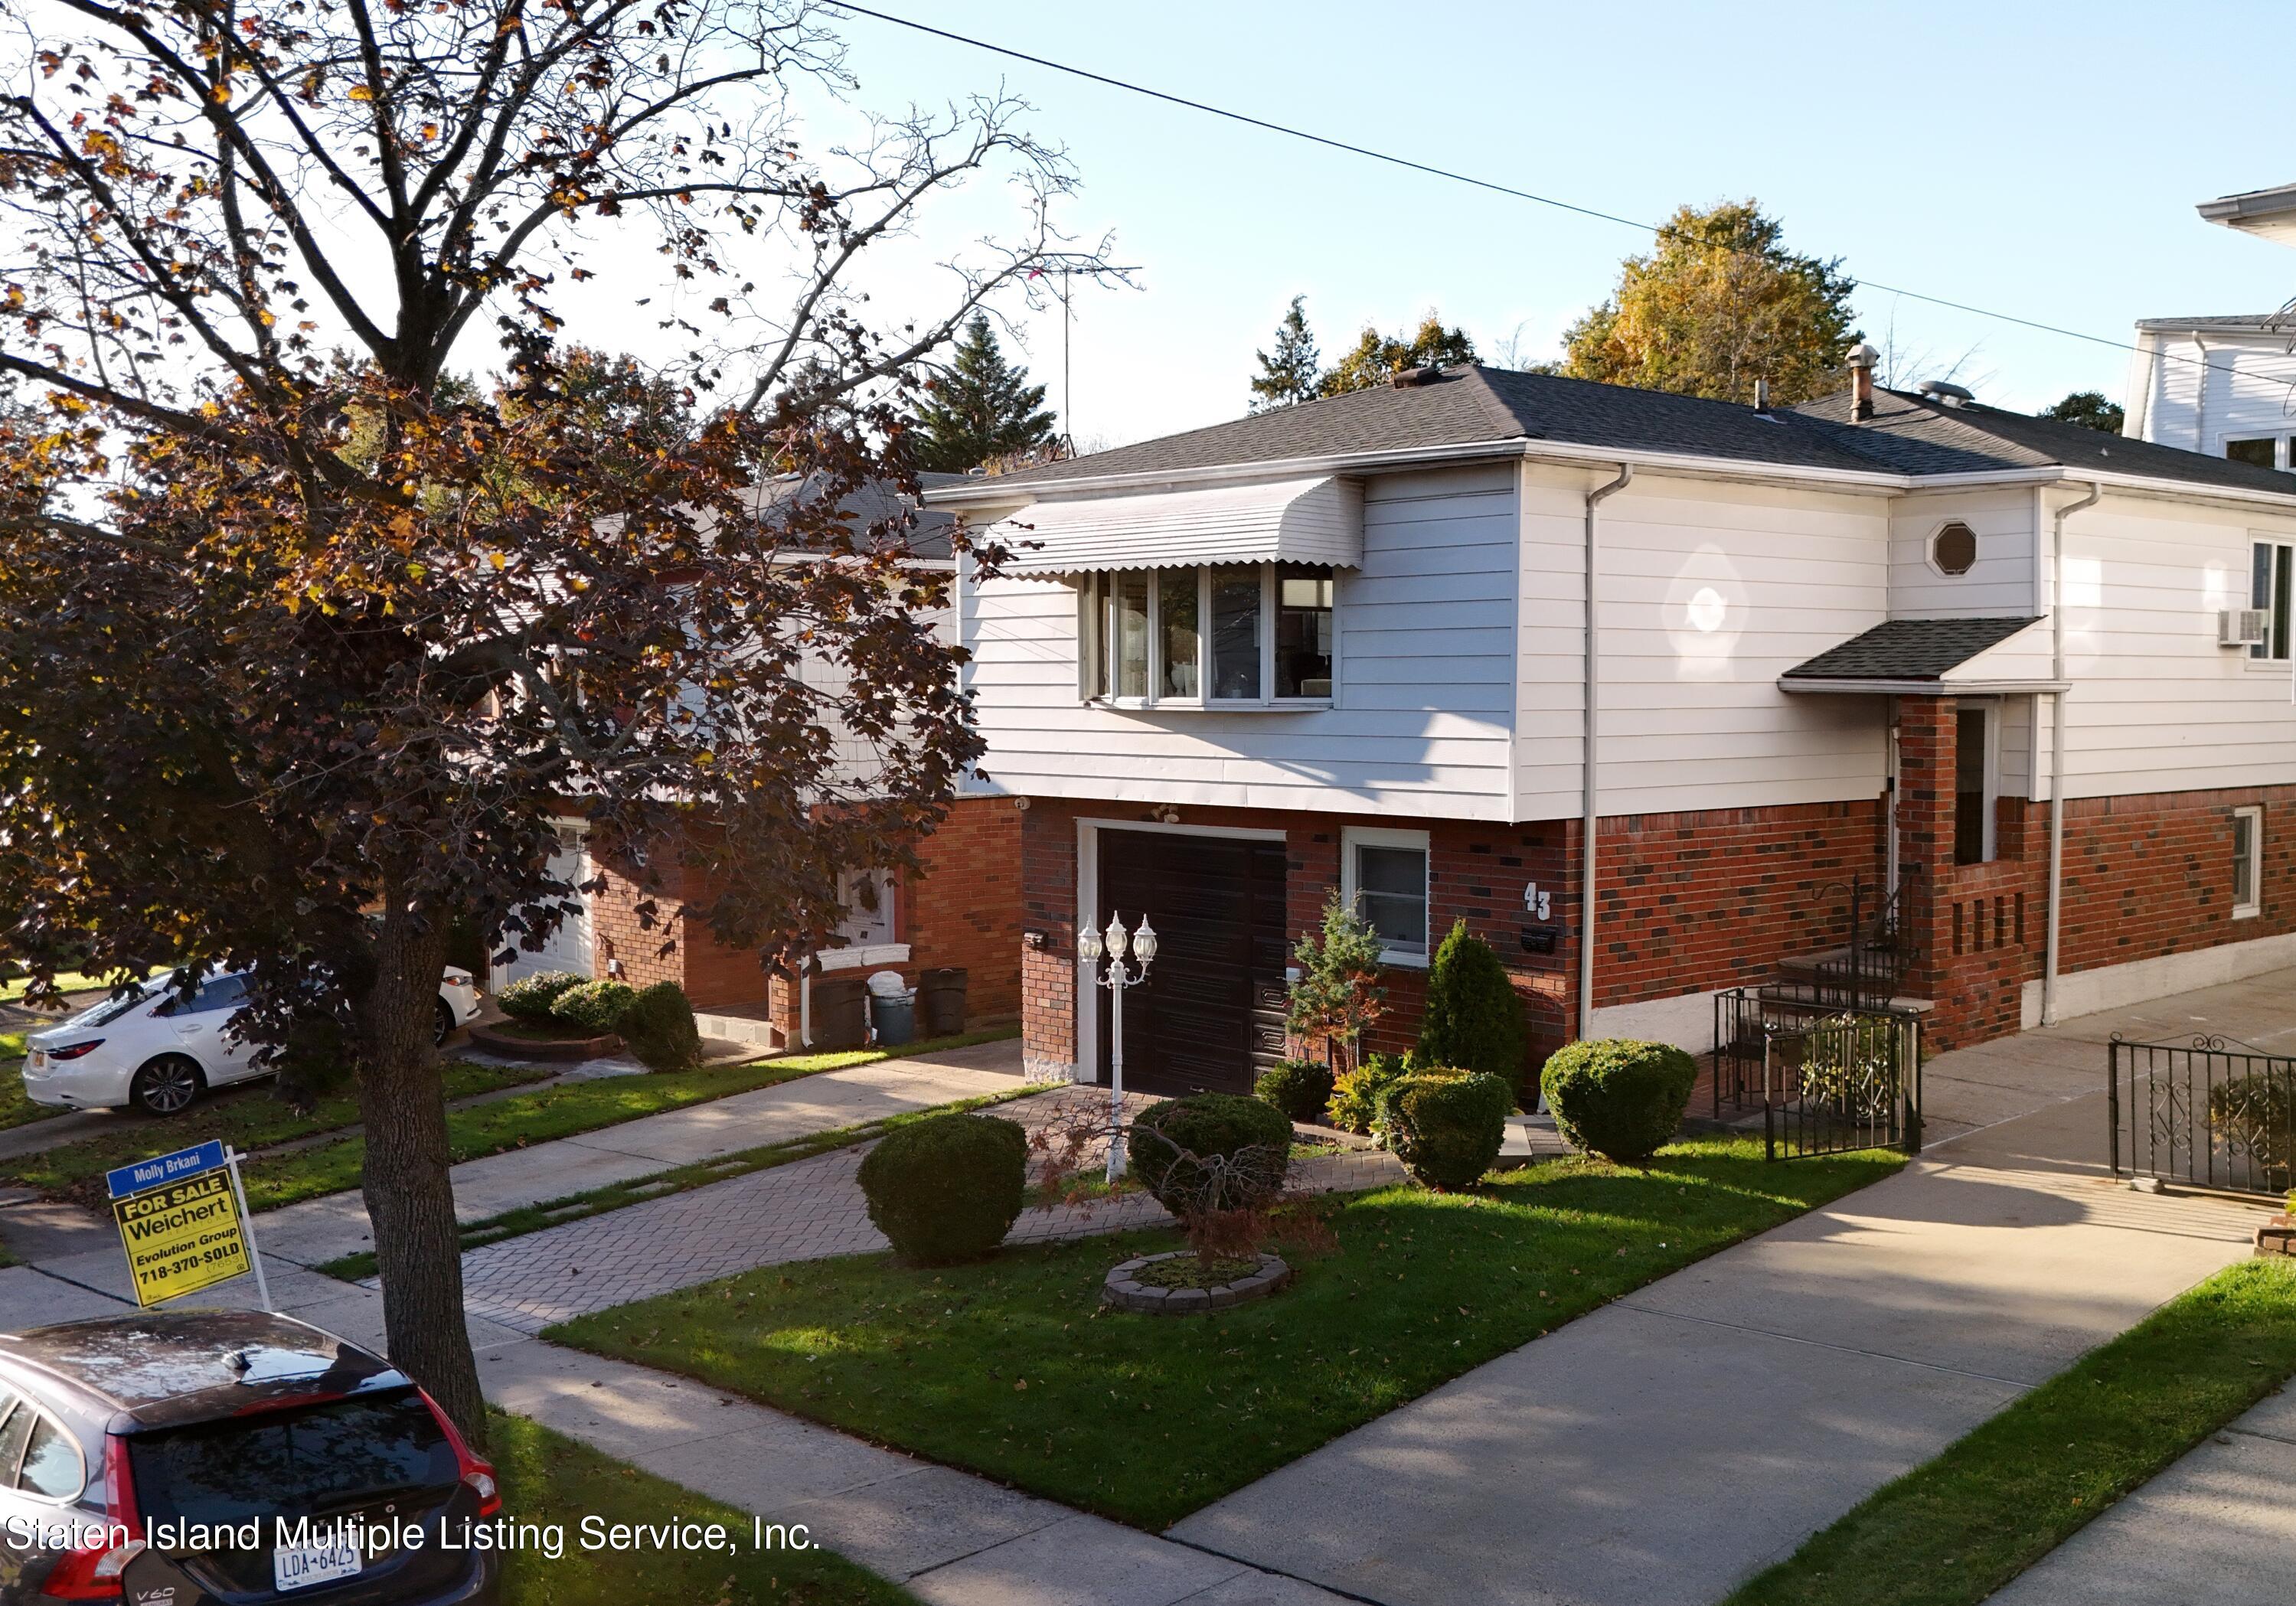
point(1282, 521)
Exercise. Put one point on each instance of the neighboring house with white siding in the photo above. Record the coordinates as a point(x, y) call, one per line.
point(1345, 646)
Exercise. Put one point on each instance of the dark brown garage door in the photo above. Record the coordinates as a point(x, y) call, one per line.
point(1210, 1015)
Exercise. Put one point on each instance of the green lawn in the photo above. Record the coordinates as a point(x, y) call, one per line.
point(1011, 1368)
point(248, 1120)
point(679, 1179)
point(15, 1108)
point(566, 1110)
point(547, 1478)
point(11, 988)
point(1951, 1532)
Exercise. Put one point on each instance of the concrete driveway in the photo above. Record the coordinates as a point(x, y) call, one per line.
point(1667, 1446)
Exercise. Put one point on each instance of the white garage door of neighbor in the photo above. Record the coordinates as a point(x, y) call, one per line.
point(568, 947)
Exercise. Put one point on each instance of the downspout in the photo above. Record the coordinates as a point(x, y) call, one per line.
point(2057, 751)
point(1588, 757)
point(2201, 398)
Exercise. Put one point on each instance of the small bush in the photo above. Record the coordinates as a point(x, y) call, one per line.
point(596, 1006)
point(1473, 1019)
point(2255, 1115)
point(948, 1188)
point(1211, 1151)
point(1618, 1098)
point(529, 997)
point(658, 1026)
point(1300, 1088)
point(1355, 1096)
point(1445, 1127)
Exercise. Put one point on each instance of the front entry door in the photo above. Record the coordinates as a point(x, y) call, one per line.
point(1210, 1015)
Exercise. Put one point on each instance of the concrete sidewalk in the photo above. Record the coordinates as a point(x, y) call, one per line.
point(1681, 1439)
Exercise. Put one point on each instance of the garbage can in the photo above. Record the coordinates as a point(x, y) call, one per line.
point(840, 1012)
point(942, 999)
point(892, 1009)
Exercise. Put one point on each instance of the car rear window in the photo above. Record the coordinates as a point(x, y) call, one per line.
point(305, 1461)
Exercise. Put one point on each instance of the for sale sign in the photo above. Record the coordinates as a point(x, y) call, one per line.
point(183, 1237)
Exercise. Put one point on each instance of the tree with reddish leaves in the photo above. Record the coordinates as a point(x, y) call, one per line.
point(305, 643)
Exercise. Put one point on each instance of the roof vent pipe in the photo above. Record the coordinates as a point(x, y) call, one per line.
point(1762, 396)
point(1411, 379)
point(1951, 394)
point(1862, 358)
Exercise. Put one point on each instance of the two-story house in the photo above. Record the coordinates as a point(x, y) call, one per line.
point(1635, 684)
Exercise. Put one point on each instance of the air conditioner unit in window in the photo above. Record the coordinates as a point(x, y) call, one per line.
point(2243, 627)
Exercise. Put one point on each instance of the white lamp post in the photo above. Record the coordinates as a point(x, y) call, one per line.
point(1091, 947)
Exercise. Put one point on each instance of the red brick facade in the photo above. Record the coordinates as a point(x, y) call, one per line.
point(961, 908)
point(1692, 902)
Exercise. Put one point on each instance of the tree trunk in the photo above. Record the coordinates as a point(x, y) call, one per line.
point(410, 1199)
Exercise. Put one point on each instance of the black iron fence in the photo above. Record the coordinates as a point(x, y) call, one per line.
point(2214, 1113)
point(1828, 1079)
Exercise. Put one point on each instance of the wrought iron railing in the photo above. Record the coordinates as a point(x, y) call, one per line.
point(2216, 1113)
point(1868, 972)
point(1828, 1079)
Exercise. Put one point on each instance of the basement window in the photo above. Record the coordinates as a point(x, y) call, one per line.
point(2247, 863)
point(1225, 635)
point(1384, 874)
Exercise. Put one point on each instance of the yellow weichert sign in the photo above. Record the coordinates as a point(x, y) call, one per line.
point(181, 1238)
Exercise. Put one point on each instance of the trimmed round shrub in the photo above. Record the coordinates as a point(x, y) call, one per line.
point(948, 1188)
point(1300, 1088)
point(1210, 1151)
point(658, 1026)
point(596, 1006)
point(1618, 1098)
point(1446, 1126)
point(1355, 1096)
point(529, 997)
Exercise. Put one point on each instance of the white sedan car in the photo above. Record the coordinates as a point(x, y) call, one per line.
point(158, 1052)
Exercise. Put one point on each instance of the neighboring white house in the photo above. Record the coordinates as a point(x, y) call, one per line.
point(1345, 646)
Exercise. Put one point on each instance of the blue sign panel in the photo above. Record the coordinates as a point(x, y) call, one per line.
point(165, 1169)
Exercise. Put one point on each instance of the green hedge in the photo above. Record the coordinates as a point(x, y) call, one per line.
point(1300, 1088)
point(1445, 1126)
point(1174, 1147)
point(1618, 1098)
point(1473, 1019)
point(658, 1026)
point(948, 1188)
point(594, 1007)
point(529, 997)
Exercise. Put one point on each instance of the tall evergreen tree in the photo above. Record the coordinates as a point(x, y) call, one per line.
point(982, 406)
point(1291, 375)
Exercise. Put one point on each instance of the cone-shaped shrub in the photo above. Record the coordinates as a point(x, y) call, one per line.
point(1473, 1019)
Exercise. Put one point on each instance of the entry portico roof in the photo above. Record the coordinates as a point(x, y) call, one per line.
point(1937, 657)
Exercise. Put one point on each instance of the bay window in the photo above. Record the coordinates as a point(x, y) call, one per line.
point(1218, 636)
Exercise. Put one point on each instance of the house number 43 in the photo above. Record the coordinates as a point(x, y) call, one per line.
point(1539, 904)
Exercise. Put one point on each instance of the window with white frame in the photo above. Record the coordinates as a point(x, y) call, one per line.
point(1383, 874)
point(2272, 570)
point(1975, 783)
point(2262, 451)
point(1214, 636)
point(2247, 862)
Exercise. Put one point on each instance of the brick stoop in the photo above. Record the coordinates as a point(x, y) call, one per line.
point(2278, 1236)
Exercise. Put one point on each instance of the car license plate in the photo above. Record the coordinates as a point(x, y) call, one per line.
point(300, 1566)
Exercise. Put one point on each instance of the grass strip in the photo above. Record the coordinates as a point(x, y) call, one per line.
point(15, 1108)
point(614, 1196)
point(249, 1119)
point(566, 1110)
point(1012, 1367)
point(15, 987)
point(549, 1479)
point(1954, 1530)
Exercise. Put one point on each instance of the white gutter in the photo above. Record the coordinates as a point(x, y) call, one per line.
point(1918, 688)
point(2057, 754)
point(1589, 759)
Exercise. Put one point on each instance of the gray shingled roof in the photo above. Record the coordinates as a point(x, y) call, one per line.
point(1908, 435)
point(1908, 650)
point(2222, 320)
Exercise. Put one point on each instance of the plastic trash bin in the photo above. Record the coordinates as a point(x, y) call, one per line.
point(840, 1012)
point(892, 1009)
point(941, 1000)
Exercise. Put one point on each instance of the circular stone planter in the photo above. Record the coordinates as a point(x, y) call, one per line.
point(1124, 1290)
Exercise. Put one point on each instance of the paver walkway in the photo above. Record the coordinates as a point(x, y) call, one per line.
point(320, 1230)
point(1691, 1433)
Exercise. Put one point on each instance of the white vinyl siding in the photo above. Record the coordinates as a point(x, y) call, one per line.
point(2247, 380)
point(1423, 648)
point(2002, 581)
point(1691, 717)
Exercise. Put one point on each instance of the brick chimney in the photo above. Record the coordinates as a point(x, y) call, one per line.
point(1862, 358)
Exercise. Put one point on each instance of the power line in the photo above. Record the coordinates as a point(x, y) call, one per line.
point(1659, 230)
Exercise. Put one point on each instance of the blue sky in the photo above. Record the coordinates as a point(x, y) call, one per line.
point(2041, 159)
